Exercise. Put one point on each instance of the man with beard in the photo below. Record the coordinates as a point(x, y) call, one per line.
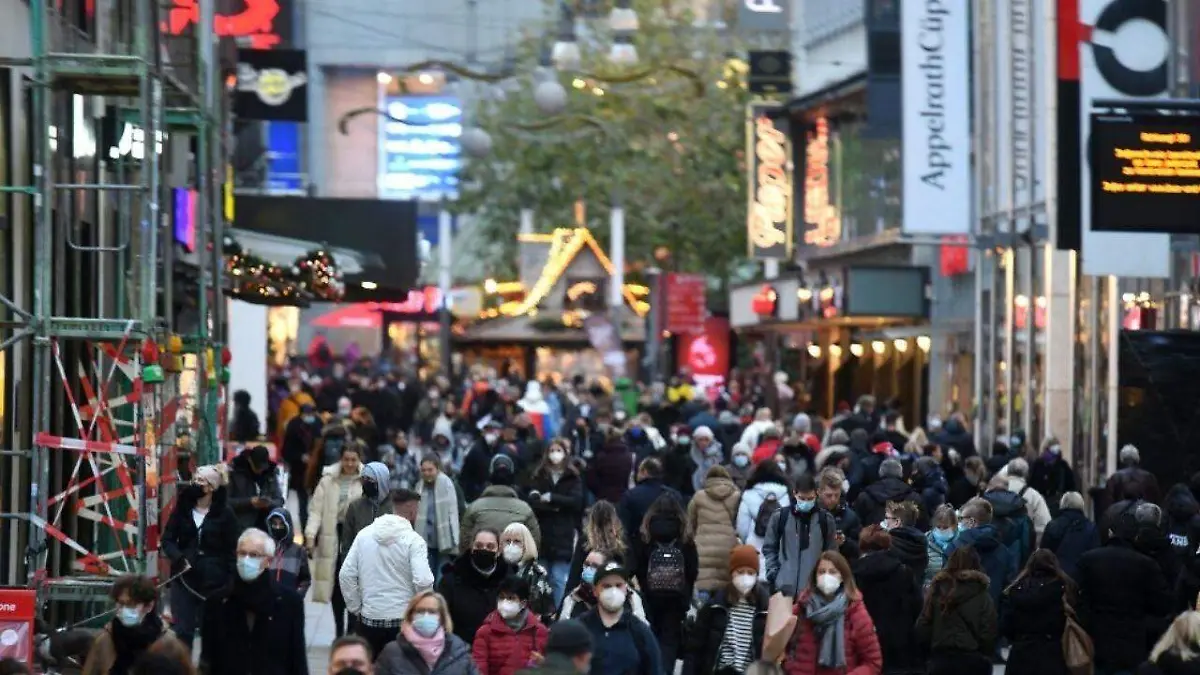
point(831, 486)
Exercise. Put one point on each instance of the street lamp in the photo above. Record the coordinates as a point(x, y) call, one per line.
point(566, 54)
point(623, 18)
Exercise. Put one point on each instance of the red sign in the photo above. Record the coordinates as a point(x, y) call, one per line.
point(687, 303)
point(763, 304)
point(256, 22)
point(706, 354)
point(18, 610)
point(955, 257)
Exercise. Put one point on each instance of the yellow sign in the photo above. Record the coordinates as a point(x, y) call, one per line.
point(769, 165)
point(229, 194)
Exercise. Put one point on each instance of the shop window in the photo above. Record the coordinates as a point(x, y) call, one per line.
point(865, 181)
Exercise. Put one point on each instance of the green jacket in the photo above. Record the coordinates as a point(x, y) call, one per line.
point(969, 624)
point(497, 508)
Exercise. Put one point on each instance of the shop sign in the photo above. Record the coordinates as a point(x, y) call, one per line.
point(770, 193)
point(706, 354)
point(423, 302)
point(272, 85)
point(263, 23)
point(954, 256)
point(687, 303)
point(765, 302)
point(822, 222)
point(420, 148)
point(764, 16)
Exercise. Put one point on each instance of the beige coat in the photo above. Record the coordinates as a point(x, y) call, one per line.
point(322, 527)
point(712, 513)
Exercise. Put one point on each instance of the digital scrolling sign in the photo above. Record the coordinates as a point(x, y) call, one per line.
point(1145, 173)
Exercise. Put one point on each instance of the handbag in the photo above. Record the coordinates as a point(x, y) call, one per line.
point(1078, 651)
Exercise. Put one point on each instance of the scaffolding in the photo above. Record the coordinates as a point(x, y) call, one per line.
point(97, 445)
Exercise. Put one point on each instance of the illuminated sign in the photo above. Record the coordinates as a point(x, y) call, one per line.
point(420, 157)
point(822, 222)
point(133, 143)
point(1145, 173)
point(769, 165)
point(262, 23)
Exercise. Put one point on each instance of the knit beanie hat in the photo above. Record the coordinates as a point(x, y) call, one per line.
point(743, 556)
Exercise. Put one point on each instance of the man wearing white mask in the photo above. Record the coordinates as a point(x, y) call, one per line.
point(387, 565)
point(257, 626)
point(623, 644)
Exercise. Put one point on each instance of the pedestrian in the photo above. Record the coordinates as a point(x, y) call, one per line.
point(834, 632)
point(387, 565)
point(1070, 534)
point(796, 538)
point(244, 426)
point(582, 597)
point(871, 505)
point(556, 495)
point(623, 644)
point(965, 477)
point(1035, 616)
point(731, 626)
point(439, 521)
point(637, 501)
point(608, 472)
point(706, 453)
point(908, 543)
point(471, 583)
point(289, 566)
point(892, 598)
point(134, 630)
point(767, 490)
point(976, 530)
point(1131, 481)
point(426, 643)
point(601, 531)
point(1177, 650)
point(512, 636)
point(958, 620)
point(666, 566)
point(200, 539)
point(350, 655)
point(326, 537)
point(1035, 503)
point(568, 651)
point(831, 490)
point(711, 514)
point(256, 627)
point(938, 542)
point(739, 466)
point(499, 504)
point(254, 487)
point(520, 551)
point(299, 442)
point(403, 468)
point(1051, 475)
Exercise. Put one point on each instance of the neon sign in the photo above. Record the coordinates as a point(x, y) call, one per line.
point(823, 223)
point(256, 22)
point(769, 217)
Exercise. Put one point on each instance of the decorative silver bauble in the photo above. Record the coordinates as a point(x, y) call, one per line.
point(550, 97)
point(476, 142)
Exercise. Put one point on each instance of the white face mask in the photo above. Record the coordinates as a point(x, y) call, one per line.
point(744, 583)
point(828, 584)
point(612, 599)
point(508, 608)
point(556, 456)
point(513, 553)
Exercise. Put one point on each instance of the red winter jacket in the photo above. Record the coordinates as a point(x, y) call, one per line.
point(499, 650)
point(863, 656)
point(765, 452)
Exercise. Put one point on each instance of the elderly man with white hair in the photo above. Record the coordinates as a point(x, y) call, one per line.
point(257, 626)
point(1132, 481)
point(1035, 503)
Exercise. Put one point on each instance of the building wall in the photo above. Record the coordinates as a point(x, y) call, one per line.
point(829, 43)
point(352, 160)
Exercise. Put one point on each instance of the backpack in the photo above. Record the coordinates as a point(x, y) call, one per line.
point(665, 572)
point(770, 504)
point(1015, 530)
point(824, 519)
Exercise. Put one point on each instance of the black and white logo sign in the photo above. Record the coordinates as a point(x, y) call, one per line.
point(1139, 68)
point(272, 85)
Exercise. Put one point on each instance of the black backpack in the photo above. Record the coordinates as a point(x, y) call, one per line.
point(825, 517)
point(770, 504)
point(665, 572)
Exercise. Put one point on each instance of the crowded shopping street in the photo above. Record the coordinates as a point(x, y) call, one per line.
point(599, 337)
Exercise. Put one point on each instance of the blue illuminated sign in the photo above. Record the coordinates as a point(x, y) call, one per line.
point(421, 159)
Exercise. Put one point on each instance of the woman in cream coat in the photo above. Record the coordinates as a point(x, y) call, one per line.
point(340, 485)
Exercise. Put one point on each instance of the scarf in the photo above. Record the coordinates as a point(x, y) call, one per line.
point(445, 503)
point(829, 624)
point(131, 642)
point(430, 648)
point(254, 597)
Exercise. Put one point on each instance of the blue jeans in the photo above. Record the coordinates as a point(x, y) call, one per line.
point(559, 571)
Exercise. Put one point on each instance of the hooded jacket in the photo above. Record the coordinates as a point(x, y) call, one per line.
point(289, 566)
point(705, 459)
point(364, 510)
point(871, 505)
point(999, 563)
point(245, 485)
point(711, 514)
point(497, 508)
point(498, 649)
point(969, 622)
point(387, 565)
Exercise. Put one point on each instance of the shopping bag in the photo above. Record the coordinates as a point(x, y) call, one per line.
point(781, 623)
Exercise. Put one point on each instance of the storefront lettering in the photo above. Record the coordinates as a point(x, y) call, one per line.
point(771, 203)
point(823, 223)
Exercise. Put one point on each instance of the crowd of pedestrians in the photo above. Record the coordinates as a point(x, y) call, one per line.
point(491, 529)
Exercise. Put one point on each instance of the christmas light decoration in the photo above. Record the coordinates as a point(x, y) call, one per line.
point(319, 274)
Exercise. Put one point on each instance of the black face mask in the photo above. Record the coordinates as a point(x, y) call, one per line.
point(483, 559)
point(370, 488)
point(278, 533)
point(349, 671)
point(193, 491)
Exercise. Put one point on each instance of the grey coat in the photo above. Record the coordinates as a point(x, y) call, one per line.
point(360, 513)
point(401, 658)
point(788, 567)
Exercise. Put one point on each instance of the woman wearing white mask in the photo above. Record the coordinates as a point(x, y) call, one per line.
point(730, 630)
point(556, 496)
point(520, 551)
point(426, 643)
point(136, 629)
point(834, 633)
point(512, 637)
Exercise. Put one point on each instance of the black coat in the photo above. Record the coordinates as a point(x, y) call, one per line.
point(210, 552)
point(299, 439)
point(1033, 621)
point(871, 505)
point(1123, 597)
point(849, 527)
point(609, 471)
point(636, 502)
point(559, 518)
point(678, 467)
point(702, 645)
point(1052, 479)
point(245, 485)
point(1133, 482)
point(969, 624)
point(894, 603)
point(912, 548)
point(477, 466)
point(470, 595)
point(1070, 535)
point(275, 646)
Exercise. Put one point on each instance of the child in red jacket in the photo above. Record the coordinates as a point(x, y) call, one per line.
point(511, 638)
point(834, 633)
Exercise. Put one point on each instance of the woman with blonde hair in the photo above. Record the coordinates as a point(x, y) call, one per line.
point(426, 643)
point(520, 551)
point(1177, 652)
point(602, 531)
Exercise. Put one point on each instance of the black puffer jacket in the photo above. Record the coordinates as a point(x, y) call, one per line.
point(210, 551)
point(559, 518)
point(1033, 621)
point(894, 603)
point(703, 643)
point(911, 548)
point(871, 505)
point(470, 594)
point(966, 622)
point(1070, 535)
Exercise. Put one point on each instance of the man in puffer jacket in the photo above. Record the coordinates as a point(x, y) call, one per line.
point(499, 506)
point(388, 564)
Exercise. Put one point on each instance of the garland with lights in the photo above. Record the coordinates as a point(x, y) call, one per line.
point(317, 273)
point(313, 276)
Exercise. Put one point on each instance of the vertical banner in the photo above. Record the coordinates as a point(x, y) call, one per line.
point(936, 88)
point(687, 303)
point(771, 194)
point(1123, 51)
